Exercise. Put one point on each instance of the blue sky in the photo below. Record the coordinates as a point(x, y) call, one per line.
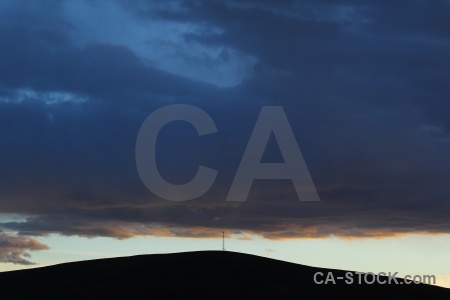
point(364, 86)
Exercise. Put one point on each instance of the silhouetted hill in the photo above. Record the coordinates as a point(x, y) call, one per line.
point(200, 275)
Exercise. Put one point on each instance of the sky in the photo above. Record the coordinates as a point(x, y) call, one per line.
point(363, 85)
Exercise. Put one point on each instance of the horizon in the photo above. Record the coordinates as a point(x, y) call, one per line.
point(313, 132)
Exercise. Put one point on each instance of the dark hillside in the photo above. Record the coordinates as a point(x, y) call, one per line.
point(204, 275)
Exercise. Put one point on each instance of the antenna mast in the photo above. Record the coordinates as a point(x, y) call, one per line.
point(223, 240)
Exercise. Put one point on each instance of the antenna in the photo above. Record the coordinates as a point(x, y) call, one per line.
point(223, 240)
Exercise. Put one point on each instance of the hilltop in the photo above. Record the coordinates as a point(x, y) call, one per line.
point(203, 274)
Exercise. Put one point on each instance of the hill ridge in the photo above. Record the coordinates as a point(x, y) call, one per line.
point(205, 274)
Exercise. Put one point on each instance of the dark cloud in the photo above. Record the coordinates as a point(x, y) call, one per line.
point(364, 86)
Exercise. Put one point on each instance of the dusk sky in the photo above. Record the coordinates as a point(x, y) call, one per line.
point(365, 86)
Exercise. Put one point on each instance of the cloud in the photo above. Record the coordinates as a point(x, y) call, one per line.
point(365, 92)
point(14, 249)
point(269, 251)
